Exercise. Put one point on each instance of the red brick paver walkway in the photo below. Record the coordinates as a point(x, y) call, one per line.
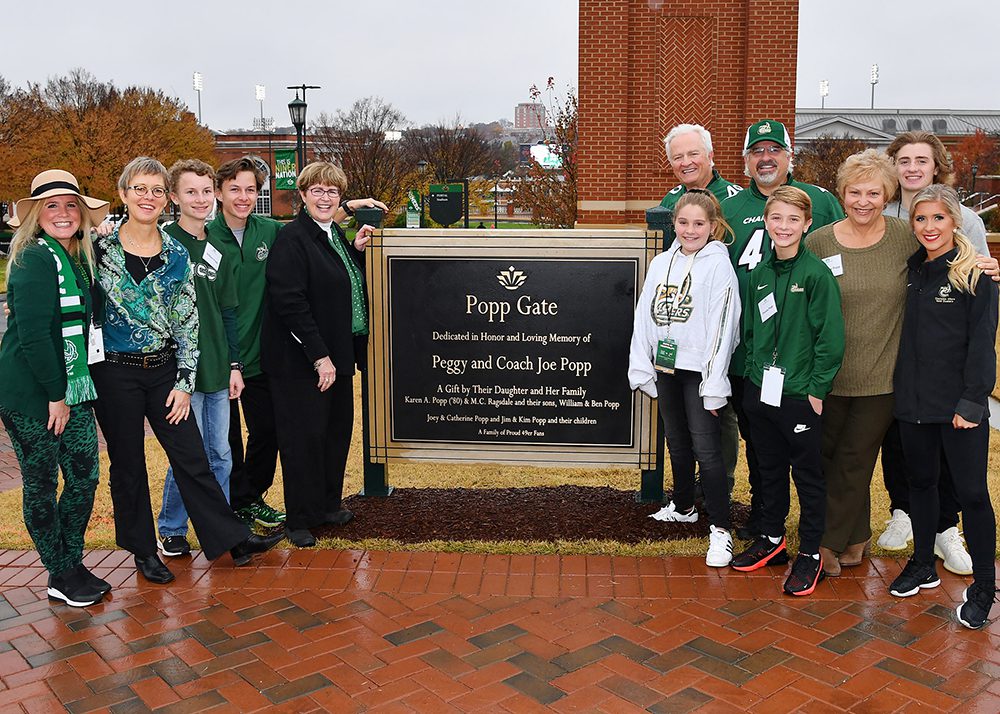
point(351, 631)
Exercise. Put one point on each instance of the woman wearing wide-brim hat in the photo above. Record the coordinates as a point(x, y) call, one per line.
point(46, 391)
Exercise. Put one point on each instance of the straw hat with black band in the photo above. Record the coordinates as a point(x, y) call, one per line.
point(56, 182)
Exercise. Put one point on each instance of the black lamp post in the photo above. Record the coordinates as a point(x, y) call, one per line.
point(975, 170)
point(297, 111)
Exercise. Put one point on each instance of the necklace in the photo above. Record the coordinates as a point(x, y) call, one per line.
point(144, 260)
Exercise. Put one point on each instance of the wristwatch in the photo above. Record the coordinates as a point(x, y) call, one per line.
point(347, 209)
point(236, 365)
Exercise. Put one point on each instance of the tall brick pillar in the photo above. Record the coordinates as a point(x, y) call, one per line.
point(647, 65)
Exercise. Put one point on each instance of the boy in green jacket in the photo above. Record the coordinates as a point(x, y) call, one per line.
point(794, 337)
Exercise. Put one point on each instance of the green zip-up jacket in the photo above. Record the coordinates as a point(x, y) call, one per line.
point(807, 331)
point(251, 285)
point(750, 245)
point(32, 366)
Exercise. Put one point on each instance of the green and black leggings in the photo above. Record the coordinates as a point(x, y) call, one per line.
point(56, 526)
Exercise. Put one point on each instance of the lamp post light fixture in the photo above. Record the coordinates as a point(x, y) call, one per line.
point(297, 111)
point(198, 84)
point(824, 92)
point(874, 81)
point(975, 170)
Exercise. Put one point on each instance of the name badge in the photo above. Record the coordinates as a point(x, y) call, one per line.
point(212, 256)
point(666, 356)
point(95, 345)
point(768, 308)
point(835, 263)
point(772, 385)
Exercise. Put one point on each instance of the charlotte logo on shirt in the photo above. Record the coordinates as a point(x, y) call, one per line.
point(261, 253)
point(672, 304)
point(944, 295)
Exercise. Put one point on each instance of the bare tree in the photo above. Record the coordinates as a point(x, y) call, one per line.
point(817, 162)
point(451, 151)
point(551, 194)
point(363, 142)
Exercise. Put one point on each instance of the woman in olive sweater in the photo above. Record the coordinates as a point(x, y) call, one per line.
point(46, 392)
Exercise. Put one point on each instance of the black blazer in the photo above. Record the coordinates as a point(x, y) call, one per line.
point(307, 308)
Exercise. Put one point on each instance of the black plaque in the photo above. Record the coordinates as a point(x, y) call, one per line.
point(499, 352)
point(447, 204)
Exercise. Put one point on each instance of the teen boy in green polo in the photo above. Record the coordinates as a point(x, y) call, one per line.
point(794, 330)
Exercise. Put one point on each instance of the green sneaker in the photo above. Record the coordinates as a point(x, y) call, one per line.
point(265, 515)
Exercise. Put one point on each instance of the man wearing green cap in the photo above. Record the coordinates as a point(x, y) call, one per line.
point(767, 157)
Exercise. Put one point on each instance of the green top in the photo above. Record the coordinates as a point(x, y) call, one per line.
point(873, 290)
point(807, 332)
point(721, 188)
point(215, 291)
point(32, 366)
point(251, 261)
point(750, 244)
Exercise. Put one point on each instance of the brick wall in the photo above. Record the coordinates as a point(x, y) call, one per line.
point(646, 65)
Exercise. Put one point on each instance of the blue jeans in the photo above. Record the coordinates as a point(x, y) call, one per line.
point(211, 413)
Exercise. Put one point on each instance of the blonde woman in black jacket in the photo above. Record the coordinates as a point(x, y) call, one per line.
point(314, 332)
point(945, 372)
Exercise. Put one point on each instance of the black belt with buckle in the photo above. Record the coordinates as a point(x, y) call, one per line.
point(143, 360)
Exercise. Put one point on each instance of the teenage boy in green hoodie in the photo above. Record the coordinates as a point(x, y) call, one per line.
point(794, 335)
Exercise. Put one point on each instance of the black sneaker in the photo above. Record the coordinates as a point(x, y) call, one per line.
point(101, 585)
point(807, 571)
point(173, 546)
point(977, 600)
point(914, 577)
point(72, 589)
point(760, 553)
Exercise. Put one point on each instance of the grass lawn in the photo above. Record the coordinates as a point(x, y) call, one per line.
point(100, 533)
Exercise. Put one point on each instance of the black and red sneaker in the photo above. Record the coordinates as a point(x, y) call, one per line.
point(760, 553)
point(807, 571)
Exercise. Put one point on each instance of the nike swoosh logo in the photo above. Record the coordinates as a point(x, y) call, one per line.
point(799, 428)
point(761, 287)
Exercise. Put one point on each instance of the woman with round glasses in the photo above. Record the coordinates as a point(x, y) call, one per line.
point(148, 372)
point(314, 333)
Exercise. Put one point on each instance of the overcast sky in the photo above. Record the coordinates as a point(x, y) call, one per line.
point(467, 57)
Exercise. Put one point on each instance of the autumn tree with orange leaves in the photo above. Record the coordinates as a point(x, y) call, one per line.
point(979, 149)
point(91, 129)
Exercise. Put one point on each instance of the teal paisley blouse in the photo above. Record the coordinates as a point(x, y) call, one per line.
point(156, 314)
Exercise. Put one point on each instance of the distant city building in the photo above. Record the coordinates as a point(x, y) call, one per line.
point(879, 127)
point(528, 115)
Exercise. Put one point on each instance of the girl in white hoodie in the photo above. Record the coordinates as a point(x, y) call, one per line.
point(686, 326)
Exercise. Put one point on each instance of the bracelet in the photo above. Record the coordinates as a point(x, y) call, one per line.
point(316, 364)
point(347, 209)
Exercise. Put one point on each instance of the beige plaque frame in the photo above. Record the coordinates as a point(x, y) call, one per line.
point(636, 245)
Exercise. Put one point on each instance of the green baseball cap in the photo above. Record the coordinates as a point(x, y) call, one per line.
point(767, 130)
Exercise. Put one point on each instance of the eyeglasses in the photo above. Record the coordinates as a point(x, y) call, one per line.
point(769, 150)
point(317, 192)
point(157, 191)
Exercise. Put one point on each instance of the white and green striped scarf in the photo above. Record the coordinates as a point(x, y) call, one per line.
point(79, 385)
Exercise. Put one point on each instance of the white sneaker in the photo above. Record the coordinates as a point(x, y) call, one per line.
point(898, 533)
point(720, 548)
point(950, 548)
point(670, 513)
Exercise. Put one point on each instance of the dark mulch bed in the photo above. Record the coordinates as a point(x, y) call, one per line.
point(553, 513)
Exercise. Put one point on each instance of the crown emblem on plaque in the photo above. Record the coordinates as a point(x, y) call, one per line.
point(511, 279)
point(764, 129)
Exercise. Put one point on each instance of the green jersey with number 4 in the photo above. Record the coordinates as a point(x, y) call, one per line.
point(751, 245)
